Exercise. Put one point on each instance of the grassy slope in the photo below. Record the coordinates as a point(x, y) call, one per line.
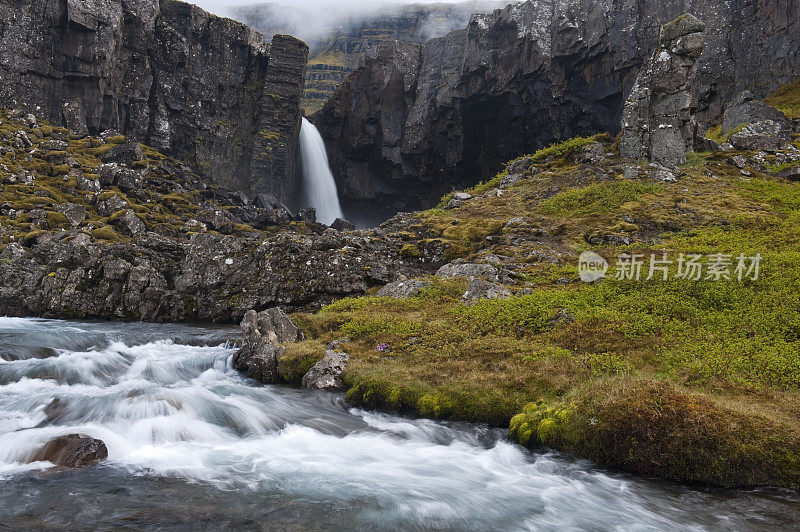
point(692, 381)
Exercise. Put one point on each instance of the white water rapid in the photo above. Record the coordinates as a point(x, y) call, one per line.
point(319, 187)
point(194, 445)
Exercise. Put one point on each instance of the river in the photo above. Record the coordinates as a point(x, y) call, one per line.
point(194, 445)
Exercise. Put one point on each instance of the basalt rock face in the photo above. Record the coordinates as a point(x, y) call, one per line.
point(166, 73)
point(417, 120)
point(210, 277)
point(659, 122)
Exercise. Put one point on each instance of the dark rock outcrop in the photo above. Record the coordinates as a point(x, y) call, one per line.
point(72, 450)
point(337, 51)
point(658, 122)
point(417, 120)
point(166, 73)
point(205, 277)
point(263, 334)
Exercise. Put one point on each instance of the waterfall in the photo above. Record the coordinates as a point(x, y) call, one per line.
point(319, 188)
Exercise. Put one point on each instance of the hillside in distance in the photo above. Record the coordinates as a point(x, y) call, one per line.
point(339, 40)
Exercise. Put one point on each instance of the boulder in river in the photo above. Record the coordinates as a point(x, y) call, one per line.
point(72, 450)
point(263, 332)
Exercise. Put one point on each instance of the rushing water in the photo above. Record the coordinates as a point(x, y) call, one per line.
point(319, 187)
point(192, 444)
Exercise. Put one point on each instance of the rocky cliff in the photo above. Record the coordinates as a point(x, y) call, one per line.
point(338, 47)
point(416, 120)
point(202, 88)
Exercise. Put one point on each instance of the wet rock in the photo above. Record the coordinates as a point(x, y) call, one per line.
point(259, 362)
point(657, 121)
point(328, 373)
point(272, 324)
point(129, 224)
point(263, 331)
point(479, 289)
point(404, 288)
point(75, 213)
point(72, 450)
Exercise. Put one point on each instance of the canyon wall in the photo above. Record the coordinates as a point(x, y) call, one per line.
point(339, 39)
point(202, 88)
point(416, 120)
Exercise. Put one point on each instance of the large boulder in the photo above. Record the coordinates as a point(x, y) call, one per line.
point(328, 373)
point(72, 450)
point(403, 289)
point(263, 334)
point(129, 224)
point(74, 213)
point(658, 122)
point(747, 109)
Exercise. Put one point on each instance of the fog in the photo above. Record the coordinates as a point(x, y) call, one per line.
point(315, 20)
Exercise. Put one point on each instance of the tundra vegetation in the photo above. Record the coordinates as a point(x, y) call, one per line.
point(691, 380)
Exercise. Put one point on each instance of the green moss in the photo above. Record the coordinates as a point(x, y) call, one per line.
point(107, 233)
point(655, 429)
point(597, 198)
point(786, 99)
point(410, 251)
point(56, 220)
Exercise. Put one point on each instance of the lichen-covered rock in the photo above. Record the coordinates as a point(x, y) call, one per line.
point(202, 276)
point(479, 289)
point(404, 288)
point(72, 450)
point(658, 122)
point(468, 271)
point(328, 373)
point(766, 135)
point(74, 213)
point(272, 324)
point(129, 224)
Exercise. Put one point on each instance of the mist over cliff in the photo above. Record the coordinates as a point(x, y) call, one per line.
point(339, 34)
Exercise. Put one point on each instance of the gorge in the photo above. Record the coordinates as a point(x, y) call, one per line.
point(446, 368)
